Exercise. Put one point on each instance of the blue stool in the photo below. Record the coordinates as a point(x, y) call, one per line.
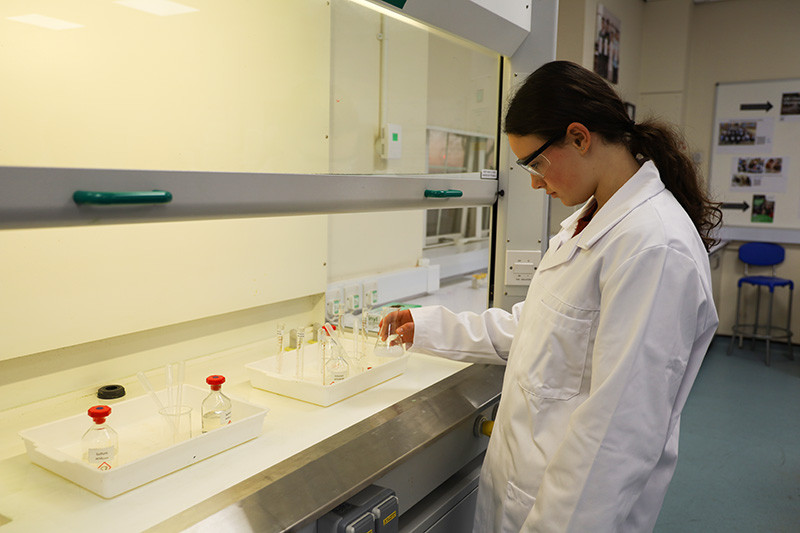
point(763, 254)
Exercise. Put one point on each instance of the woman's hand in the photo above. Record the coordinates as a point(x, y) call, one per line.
point(400, 322)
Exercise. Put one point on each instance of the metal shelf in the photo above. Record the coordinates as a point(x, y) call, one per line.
point(41, 197)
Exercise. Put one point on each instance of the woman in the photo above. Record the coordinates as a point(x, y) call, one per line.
point(603, 352)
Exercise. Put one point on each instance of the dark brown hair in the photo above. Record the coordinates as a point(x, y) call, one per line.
point(560, 92)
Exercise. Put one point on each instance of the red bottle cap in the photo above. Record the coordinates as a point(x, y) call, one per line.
point(99, 413)
point(215, 381)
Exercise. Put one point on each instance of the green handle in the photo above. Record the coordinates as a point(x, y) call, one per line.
point(448, 193)
point(117, 198)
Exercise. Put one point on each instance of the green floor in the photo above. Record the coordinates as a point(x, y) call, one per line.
point(739, 462)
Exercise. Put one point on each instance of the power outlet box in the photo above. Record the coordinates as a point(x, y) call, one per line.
point(352, 297)
point(521, 265)
point(370, 294)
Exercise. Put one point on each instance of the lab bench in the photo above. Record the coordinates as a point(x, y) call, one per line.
point(410, 434)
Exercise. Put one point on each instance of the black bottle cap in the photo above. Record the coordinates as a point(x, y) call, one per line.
point(109, 392)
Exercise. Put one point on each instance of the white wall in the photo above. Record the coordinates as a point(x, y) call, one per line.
point(739, 40)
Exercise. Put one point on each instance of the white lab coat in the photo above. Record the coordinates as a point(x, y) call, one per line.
point(600, 360)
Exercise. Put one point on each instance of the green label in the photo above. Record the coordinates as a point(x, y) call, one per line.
point(394, 137)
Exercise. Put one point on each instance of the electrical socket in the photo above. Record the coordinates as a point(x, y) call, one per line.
point(352, 297)
point(370, 294)
point(333, 301)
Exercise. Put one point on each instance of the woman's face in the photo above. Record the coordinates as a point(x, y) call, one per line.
point(567, 177)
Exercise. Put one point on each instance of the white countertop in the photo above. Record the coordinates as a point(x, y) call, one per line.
point(35, 499)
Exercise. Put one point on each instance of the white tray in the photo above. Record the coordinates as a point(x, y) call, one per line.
point(143, 454)
point(265, 374)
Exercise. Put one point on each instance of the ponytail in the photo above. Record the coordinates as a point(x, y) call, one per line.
point(664, 145)
point(560, 92)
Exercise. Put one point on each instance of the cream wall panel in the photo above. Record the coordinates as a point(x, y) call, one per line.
point(663, 106)
point(463, 88)
point(407, 89)
point(199, 91)
point(65, 286)
point(665, 45)
point(572, 21)
point(363, 244)
point(355, 88)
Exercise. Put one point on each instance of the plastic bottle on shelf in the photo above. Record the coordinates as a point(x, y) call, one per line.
point(100, 442)
point(216, 408)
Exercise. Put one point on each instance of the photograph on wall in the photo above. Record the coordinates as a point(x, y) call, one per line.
point(759, 174)
point(606, 45)
point(790, 107)
point(745, 135)
point(763, 209)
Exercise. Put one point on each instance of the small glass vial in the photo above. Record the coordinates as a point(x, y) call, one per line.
point(216, 408)
point(100, 442)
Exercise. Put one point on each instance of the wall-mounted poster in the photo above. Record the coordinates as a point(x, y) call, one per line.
point(745, 135)
point(606, 45)
point(759, 174)
point(763, 209)
point(790, 106)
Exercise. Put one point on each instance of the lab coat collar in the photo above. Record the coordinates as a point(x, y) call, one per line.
point(642, 186)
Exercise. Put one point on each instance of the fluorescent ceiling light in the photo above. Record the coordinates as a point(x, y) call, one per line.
point(162, 8)
point(46, 22)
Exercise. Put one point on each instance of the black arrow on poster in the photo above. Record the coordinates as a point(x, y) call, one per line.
point(743, 206)
point(755, 107)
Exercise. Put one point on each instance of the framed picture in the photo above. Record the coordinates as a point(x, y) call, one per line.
point(606, 45)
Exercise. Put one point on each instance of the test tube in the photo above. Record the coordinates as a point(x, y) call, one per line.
point(281, 331)
point(301, 348)
point(323, 351)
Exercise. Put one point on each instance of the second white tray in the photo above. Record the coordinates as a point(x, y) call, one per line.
point(278, 375)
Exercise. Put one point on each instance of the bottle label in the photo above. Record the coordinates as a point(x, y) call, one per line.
point(214, 420)
point(102, 457)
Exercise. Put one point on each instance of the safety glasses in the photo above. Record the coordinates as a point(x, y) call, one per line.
point(537, 163)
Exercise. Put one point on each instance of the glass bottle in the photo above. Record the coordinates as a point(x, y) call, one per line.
point(216, 408)
point(100, 442)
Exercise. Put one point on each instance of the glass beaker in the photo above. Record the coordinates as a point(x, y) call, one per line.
point(391, 345)
point(176, 423)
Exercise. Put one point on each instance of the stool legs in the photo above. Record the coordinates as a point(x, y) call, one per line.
point(736, 322)
point(755, 324)
point(769, 323)
point(789, 324)
point(739, 328)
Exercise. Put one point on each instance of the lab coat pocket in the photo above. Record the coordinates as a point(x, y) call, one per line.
point(516, 507)
point(558, 345)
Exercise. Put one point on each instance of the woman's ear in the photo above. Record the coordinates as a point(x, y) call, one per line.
point(579, 136)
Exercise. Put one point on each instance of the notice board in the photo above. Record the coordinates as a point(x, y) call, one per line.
point(755, 160)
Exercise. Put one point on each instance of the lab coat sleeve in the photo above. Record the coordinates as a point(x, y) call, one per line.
point(469, 337)
point(653, 309)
